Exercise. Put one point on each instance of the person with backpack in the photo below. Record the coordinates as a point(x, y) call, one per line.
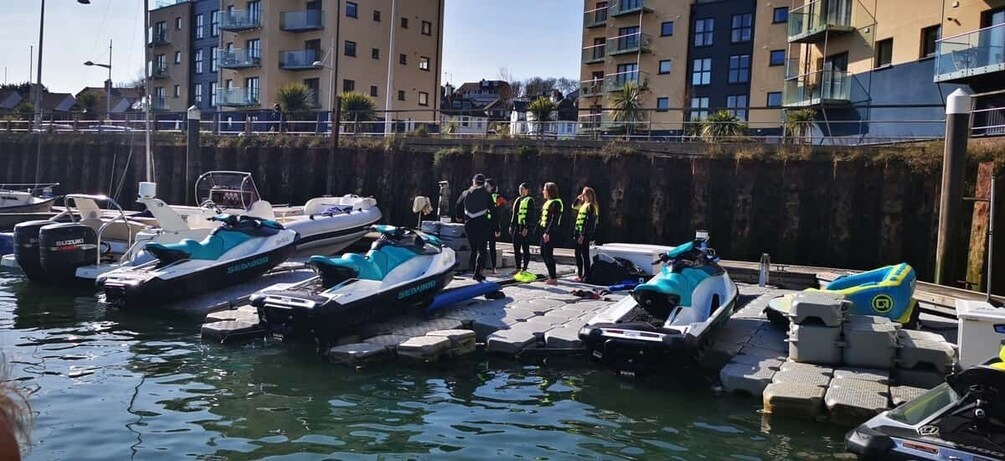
point(551, 228)
point(495, 216)
point(585, 230)
point(521, 227)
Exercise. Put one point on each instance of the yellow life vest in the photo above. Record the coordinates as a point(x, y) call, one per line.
point(547, 207)
point(584, 211)
point(522, 211)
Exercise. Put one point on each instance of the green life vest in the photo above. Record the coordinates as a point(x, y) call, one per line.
point(495, 203)
point(584, 211)
point(522, 211)
point(547, 207)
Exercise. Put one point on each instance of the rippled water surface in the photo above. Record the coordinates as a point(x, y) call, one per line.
point(120, 385)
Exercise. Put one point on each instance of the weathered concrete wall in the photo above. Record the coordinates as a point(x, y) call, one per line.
point(820, 211)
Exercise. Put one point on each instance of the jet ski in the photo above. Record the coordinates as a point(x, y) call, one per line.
point(961, 419)
point(668, 318)
point(403, 268)
point(242, 248)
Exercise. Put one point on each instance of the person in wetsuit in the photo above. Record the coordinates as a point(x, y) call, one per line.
point(522, 226)
point(495, 216)
point(551, 228)
point(585, 230)
point(474, 207)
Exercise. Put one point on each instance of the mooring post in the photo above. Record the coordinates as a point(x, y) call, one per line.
point(192, 119)
point(951, 201)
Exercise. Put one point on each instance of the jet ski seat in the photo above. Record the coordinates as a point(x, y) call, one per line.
point(233, 233)
point(886, 292)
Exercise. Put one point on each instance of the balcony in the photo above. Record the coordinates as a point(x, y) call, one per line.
point(298, 59)
point(595, 18)
point(158, 103)
point(240, 20)
point(237, 97)
point(160, 38)
point(237, 59)
point(616, 82)
point(974, 57)
point(631, 43)
point(825, 88)
point(159, 72)
point(594, 54)
point(812, 21)
point(591, 88)
point(302, 21)
point(591, 122)
point(622, 7)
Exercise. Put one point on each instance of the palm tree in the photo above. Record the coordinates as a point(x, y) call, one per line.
point(357, 107)
point(295, 99)
point(626, 105)
point(799, 123)
point(541, 109)
point(722, 125)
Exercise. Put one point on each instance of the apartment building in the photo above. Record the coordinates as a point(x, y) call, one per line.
point(239, 53)
point(170, 49)
point(690, 59)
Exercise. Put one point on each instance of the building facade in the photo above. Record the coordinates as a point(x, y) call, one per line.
point(170, 51)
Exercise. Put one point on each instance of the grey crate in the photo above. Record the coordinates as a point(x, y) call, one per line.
point(815, 344)
point(794, 399)
point(809, 306)
point(870, 342)
point(939, 356)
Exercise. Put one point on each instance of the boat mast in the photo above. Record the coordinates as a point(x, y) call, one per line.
point(146, 89)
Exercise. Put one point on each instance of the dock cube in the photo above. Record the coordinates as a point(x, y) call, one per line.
point(746, 378)
point(794, 399)
point(812, 343)
point(461, 341)
point(824, 308)
point(852, 401)
point(510, 342)
point(819, 376)
point(424, 348)
point(939, 356)
point(356, 354)
point(862, 374)
point(870, 342)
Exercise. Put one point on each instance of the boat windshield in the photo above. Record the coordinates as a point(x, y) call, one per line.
point(927, 405)
point(234, 190)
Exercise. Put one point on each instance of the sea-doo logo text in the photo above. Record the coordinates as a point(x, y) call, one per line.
point(66, 243)
point(248, 265)
point(416, 290)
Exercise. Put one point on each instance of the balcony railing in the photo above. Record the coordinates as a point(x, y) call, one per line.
point(591, 122)
point(811, 21)
point(237, 97)
point(594, 54)
point(616, 82)
point(158, 103)
point(160, 37)
point(826, 87)
point(238, 20)
point(588, 88)
point(159, 72)
point(971, 54)
point(622, 7)
point(631, 43)
point(237, 59)
point(595, 18)
point(302, 21)
point(297, 59)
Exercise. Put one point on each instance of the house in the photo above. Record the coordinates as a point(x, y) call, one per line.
point(123, 99)
point(519, 117)
point(498, 110)
point(485, 92)
point(460, 116)
point(9, 99)
point(561, 125)
point(57, 102)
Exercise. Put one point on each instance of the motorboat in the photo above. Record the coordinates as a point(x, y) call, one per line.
point(668, 318)
point(403, 268)
point(240, 249)
point(25, 202)
point(961, 419)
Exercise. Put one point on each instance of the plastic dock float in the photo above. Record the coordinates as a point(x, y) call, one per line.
point(794, 399)
point(748, 378)
point(232, 330)
point(851, 401)
point(425, 348)
point(462, 342)
point(357, 354)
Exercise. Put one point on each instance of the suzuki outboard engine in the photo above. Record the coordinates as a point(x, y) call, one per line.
point(26, 251)
point(65, 247)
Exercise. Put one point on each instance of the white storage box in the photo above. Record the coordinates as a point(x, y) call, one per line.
point(981, 331)
point(639, 254)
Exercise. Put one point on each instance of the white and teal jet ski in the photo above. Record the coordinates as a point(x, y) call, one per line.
point(668, 317)
point(403, 268)
point(242, 248)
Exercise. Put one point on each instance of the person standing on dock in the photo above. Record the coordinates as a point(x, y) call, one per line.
point(588, 214)
point(474, 205)
point(551, 225)
point(521, 227)
point(495, 216)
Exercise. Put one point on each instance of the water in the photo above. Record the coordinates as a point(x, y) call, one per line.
point(125, 385)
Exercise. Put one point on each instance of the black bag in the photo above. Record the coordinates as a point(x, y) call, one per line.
point(607, 270)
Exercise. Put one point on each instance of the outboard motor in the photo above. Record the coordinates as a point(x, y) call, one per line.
point(65, 247)
point(26, 251)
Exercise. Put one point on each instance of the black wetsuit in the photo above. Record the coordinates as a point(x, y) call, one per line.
point(551, 224)
point(522, 219)
point(474, 207)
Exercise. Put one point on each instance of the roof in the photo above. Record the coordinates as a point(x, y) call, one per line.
point(484, 85)
point(61, 102)
point(122, 98)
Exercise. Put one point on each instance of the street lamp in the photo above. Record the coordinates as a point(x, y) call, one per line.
point(334, 107)
point(108, 88)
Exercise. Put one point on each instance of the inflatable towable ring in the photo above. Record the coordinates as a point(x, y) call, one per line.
point(882, 303)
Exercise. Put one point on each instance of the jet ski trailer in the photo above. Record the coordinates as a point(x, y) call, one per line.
point(404, 268)
point(669, 318)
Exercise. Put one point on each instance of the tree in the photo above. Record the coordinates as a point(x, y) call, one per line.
point(799, 123)
point(515, 86)
point(23, 88)
point(25, 109)
point(541, 109)
point(566, 85)
point(537, 86)
point(626, 106)
point(722, 125)
point(295, 99)
point(89, 103)
point(357, 107)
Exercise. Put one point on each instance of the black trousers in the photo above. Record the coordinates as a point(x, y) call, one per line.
point(521, 249)
point(548, 254)
point(478, 231)
point(583, 259)
point(492, 249)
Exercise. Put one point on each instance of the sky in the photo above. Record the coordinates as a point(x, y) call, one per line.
point(530, 38)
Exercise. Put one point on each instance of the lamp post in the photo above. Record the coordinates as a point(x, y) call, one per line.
point(335, 109)
point(108, 85)
point(38, 71)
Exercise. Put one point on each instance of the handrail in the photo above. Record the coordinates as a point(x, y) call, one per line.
point(72, 198)
point(970, 32)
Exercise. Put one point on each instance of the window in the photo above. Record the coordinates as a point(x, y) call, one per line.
point(423, 98)
point(198, 92)
point(212, 94)
point(666, 29)
point(254, 48)
point(255, 11)
point(212, 59)
point(198, 61)
point(375, 53)
point(739, 68)
point(403, 59)
point(777, 58)
point(314, 90)
point(424, 63)
point(177, 91)
point(177, 23)
point(699, 109)
point(404, 23)
point(884, 52)
point(348, 85)
point(376, 15)
point(214, 23)
point(373, 91)
point(742, 28)
point(427, 28)
point(775, 99)
point(781, 14)
point(350, 48)
point(737, 106)
point(401, 95)
point(177, 57)
point(351, 9)
point(665, 66)
point(199, 33)
point(251, 86)
point(703, 29)
point(701, 73)
point(929, 36)
point(662, 104)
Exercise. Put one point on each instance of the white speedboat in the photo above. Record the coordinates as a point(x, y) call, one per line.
point(25, 202)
